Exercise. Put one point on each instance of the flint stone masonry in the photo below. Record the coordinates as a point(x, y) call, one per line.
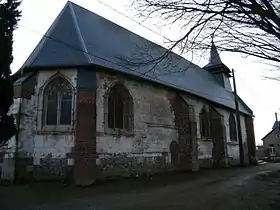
point(205, 145)
point(51, 149)
point(113, 165)
point(45, 155)
point(154, 130)
point(40, 155)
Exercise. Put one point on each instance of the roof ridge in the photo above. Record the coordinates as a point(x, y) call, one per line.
point(43, 40)
point(77, 5)
point(79, 33)
point(140, 36)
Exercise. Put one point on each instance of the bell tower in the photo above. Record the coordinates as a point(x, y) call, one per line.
point(216, 67)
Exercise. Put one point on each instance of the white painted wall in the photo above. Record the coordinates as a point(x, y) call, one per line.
point(34, 143)
point(233, 147)
point(154, 127)
point(204, 146)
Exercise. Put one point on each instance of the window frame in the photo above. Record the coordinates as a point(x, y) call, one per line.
point(128, 110)
point(271, 149)
point(41, 108)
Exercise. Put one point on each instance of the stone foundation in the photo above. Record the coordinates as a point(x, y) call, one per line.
point(116, 165)
point(48, 169)
point(161, 117)
point(205, 163)
point(233, 161)
point(24, 168)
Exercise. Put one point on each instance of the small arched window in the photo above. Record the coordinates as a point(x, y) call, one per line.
point(119, 114)
point(58, 99)
point(204, 123)
point(232, 127)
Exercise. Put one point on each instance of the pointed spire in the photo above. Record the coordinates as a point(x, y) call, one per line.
point(216, 67)
point(214, 55)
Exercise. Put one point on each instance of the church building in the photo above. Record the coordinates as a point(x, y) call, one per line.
point(88, 106)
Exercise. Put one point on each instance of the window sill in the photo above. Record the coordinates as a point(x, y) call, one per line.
point(56, 130)
point(118, 133)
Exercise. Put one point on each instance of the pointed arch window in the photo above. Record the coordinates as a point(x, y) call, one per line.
point(119, 115)
point(57, 105)
point(204, 123)
point(232, 127)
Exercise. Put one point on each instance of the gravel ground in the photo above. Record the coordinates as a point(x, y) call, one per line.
point(248, 188)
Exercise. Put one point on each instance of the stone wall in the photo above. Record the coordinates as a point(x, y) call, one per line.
point(27, 130)
point(85, 128)
point(155, 128)
point(41, 154)
point(233, 146)
point(7, 152)
point(147, 149)
point(205, 146)
point(183, 151)
point(158, 127)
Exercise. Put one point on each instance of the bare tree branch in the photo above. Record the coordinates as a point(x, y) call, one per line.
point(250, 27)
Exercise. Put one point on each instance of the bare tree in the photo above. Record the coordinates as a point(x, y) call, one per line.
point(250, 27)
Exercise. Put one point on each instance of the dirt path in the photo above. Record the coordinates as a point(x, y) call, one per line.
point(228, 189)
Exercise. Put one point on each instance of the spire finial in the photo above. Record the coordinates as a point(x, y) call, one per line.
point(212, 37)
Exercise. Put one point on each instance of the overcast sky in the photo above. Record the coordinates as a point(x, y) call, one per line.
point(258, 93)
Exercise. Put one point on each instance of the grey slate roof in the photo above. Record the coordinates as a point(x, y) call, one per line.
point(80, 37)
point(215, 64)
point(214, 59)
point(276, 125)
